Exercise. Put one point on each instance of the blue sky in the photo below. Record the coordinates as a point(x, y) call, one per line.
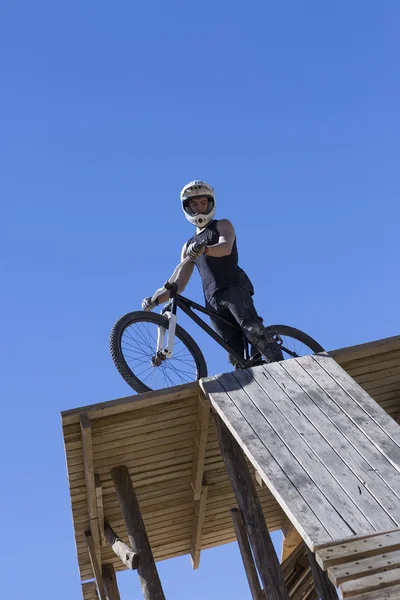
point(290, 110)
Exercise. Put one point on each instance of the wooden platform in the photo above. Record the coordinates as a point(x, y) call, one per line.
point(167, 441)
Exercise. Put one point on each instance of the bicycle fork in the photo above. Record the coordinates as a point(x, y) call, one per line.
point(165, 351)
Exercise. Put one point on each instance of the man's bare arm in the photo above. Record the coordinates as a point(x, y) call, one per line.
point(183, 278)
point(226, 239)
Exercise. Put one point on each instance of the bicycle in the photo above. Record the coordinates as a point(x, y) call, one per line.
point(144, 357)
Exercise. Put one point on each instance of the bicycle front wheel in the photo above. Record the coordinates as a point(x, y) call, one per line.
point(133, 344)
point(293, 342)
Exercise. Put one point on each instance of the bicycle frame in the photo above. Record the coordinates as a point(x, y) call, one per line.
point(170, 310)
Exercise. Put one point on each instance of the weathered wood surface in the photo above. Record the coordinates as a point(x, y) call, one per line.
point(360, 548)
point(326, 450)
point(298, 576)
point(147, 571)
point(364, 567)
point(291, 540)
point(247, 557)
point(157, 444)
point(260, 541)
point(200, 445)
point(87, 450)
point(198, 524)
point(324, 588)
point(89, 591)
point(153, 434)
point(96, 567)
point(122, 550)
point(110, 585)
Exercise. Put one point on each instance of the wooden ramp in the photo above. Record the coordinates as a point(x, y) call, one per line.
point(326, 450)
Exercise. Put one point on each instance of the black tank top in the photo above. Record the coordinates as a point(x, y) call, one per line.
point(222, 272)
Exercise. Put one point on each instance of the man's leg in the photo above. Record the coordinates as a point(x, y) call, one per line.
point(240, 304)
point(231, 335)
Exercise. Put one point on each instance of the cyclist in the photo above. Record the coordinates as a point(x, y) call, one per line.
point(227, 289)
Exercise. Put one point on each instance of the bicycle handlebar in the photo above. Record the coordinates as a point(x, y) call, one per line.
point(172, 279)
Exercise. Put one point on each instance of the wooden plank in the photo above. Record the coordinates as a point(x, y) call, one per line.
point(358, 549)
point(96, 567)
point(353, 538)
point(261, 455)
point(89, 591)
point(347, 493)
point(120, 405)
point(387, 434)
point(260, 540)
point(381, 504)
point(323, 586)
point(388, 373)
point(371, 365)
point(245, 551)
point(370, 583)
point(198, 525)
point(332, 407)
point(100, 509)
point(110, 582)
point(392, 593)
point(366, 349)
point(200, 442)
point(291, 540)
point(366, 566)
point(290, 451)
point(86, 433)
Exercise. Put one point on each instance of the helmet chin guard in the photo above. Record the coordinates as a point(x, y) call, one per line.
point(192, 190)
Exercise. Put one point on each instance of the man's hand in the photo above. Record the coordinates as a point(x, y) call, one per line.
point(148, 305)
point(196, 249)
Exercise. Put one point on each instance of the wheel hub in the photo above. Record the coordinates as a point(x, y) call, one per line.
point(158, 359)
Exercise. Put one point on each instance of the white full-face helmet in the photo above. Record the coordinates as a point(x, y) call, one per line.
point(191, 190)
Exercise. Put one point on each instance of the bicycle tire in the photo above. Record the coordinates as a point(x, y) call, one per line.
point(118, 357)
point(296, 334)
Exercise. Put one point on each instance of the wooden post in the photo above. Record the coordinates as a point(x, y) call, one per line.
point(247, 556)
point(264, 553)
point(148, 575)
point(110, 582)
point(122, 550)
point(291, 539)
point(324, 588)
point(95, 565)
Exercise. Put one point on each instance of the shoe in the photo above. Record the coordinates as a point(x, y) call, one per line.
point(272, 353)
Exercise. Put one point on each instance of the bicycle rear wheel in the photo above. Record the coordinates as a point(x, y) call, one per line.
point(293, 342)
point(133, 343)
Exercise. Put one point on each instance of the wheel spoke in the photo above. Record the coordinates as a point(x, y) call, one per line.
point(138, 344)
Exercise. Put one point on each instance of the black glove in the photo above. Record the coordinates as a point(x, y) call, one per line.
point(196, 249)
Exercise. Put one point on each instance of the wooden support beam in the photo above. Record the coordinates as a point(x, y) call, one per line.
point(291, 539)
point(247, 556)
point(324, 588)
point(100, 508)
point(200, 442)
point(87, 447)
point(242, 483)
point(122, 550)
point(259, 479)
point(198, 524)
point(89, 591)
point(95, 565)
point(148, 575)
point(110, 582)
